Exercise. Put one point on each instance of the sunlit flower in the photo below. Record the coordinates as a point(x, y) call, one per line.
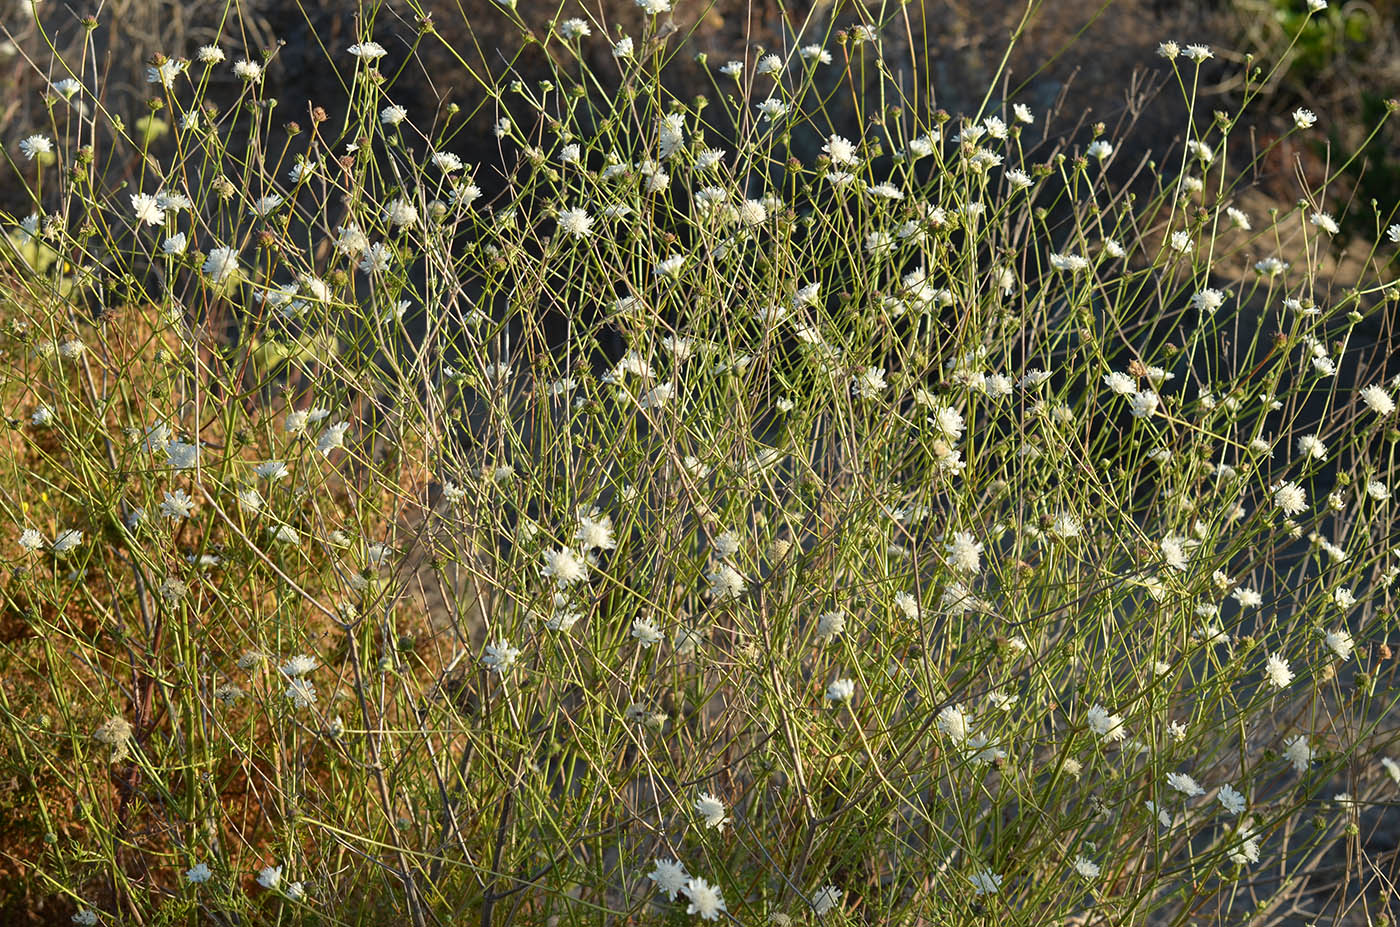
point(712, 810)
point(1278, 671)
point(705, 899)
point(668, 875)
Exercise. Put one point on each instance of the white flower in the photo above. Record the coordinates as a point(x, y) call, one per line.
point(500, 656)
point(1108, 726)
point(1311, 446)
point(1208, 300)
point(772, 108)
point(753, 212)
point(645, 631)
point(65, 541)
point(840, 150)
point(712, 810)
point(1086, 868)
point(31, 540)
point(1290, 498)
point(840, 690)
point(564, 567)
point(270, 876)
point(198, 874)
point(1184, 784)
point(1068, 262)
point(571, 29)
point(1066, 525)
point(333, 437)
point(377, 259)
point(595, 533)
point(1304, 118)
point(1099, 149)
point(1198, 53)
point(1181, 241)
point(221, 264)
point(1168, 49)
point(247, 71)
point(577, 222)
point(367, 51)
point(1276, 668)
point(1120, 383)
point(1231, 800)
point(1317, 6)
point(668, 875)
point(670, 267)
point(174, 244)
point(907, 604)
point(829, 624)
point(826, 898)
point(726, 583)
point(210, 54)
point(181, 456)
point(299, 665)
point(301, 692)
point(1340, 643)
point(869, 383)
point(1143, 404)
point(705, 899)
point(954, 722)
point(1248, 598)
point(1378, 400)
point(35, 145)
point(265, 205)
point(401, 213)
point(965, 552)
point(1324, 221)
point(1297, 752)
point(985, 882)
point(1023, 113)
point(657, 396)
point(392, 115)
point(623, 47)
point(1247, 850)
point(147, 209)
point(769, 64)
point(177, 504)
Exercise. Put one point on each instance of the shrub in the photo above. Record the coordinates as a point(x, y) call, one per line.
point(928, 530)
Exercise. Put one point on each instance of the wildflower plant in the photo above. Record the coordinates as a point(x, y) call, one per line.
point(730, 514)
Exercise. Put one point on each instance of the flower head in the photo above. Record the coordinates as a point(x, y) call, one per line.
point(367, 51)
point(1278, 671)
point(221, 264)
point(248, 72)
point(668, 875)
point(712, 810)
point(705, 899)
point(35, 145)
